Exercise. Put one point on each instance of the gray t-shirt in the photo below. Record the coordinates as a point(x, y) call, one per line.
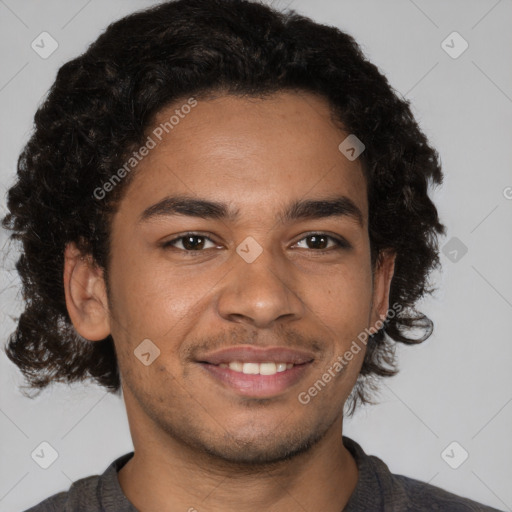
point(377, 490)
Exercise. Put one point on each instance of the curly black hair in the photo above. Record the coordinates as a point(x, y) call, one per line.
point(100, 108)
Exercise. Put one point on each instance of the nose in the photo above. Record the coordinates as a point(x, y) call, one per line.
point(259, 293)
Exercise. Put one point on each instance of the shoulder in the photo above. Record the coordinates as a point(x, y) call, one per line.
point(379, 489)
point(423, 496)
point(82, 495)
point(97, 493)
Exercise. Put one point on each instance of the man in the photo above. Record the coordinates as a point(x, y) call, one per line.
point(223, 212)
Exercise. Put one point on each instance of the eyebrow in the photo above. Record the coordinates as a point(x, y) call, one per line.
point(340, 206)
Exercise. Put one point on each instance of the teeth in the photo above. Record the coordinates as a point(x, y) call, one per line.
point(267, 368)
point(251, 368)
point(237, 366)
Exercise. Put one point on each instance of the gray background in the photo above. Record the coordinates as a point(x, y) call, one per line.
point(454, 387)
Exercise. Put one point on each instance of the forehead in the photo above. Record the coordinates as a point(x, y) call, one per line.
point(247, 151)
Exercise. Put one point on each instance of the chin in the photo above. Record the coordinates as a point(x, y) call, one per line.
point(260, 450)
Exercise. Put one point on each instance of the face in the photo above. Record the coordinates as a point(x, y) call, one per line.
point(241, 251)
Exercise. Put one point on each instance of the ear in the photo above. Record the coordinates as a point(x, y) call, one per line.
point(383, 274)
point(86, 294)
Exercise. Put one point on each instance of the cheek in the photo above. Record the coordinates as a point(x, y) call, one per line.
point(153, 300)
point(342, 300)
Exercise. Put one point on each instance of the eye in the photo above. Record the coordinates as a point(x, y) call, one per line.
point(190, 242)
point(320, 242)
point(196, 242)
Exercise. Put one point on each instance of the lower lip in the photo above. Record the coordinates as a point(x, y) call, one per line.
point(257, 386)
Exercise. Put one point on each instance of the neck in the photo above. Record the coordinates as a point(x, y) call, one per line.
point(165, 475)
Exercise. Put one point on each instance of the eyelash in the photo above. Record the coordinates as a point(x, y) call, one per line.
point(340, 243)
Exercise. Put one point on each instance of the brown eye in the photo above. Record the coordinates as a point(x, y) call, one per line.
point(317, 242)
point(321, 241)
point(190, 242)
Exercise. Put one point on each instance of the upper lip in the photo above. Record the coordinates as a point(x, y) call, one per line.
point(250, 354)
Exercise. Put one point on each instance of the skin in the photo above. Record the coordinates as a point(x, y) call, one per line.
point(199, 444)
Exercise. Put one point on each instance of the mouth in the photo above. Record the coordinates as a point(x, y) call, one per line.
point(254, 368)
point(257, 372)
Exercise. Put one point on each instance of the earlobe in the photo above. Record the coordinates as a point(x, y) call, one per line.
point(384, 271)
point(85, 292)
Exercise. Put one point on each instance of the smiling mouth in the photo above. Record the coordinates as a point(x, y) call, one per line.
point(256, 380)
point(255, 368)
point(256, 371)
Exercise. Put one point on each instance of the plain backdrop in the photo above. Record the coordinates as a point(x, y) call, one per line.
point(457, 386)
